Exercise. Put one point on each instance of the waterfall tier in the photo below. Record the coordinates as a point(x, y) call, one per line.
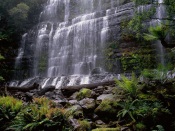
point(67, 45)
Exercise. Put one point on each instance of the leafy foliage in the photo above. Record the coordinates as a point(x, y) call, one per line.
point(40, 115)
point(129, 85)
point(9, 108)
point(136, 25)
point(156, 33)
point(127, 109)
point(84, 93)
point(161, 73)
point(19, 14)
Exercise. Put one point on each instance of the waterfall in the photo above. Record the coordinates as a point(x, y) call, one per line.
point(158, 19)
point(68, 43)
point(161, 14)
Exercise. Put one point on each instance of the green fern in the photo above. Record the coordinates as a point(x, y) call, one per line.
point(156, 33)
point(128, 85)
point(127, 109)
point(9, 108)
point(40, 115)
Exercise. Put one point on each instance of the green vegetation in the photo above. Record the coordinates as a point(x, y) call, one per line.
point(159, 74)
point(107, 107)
point(156, 33)
point(9, 108)
point(128, 85)
point(40, 115)
point(84, 93)
point(147, 109)
point(16, 17)
point(84, 126)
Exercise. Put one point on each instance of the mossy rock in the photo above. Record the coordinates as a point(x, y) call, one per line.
point(118, 91)
point(84, 125)
point(140, 127)
point(84, 93)
point(107, 107)
point(74, 111)
point(147, 97)
point(107, 129)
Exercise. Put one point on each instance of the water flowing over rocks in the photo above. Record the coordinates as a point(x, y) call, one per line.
point(67, 46)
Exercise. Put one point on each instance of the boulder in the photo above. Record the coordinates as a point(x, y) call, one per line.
point(87, 103)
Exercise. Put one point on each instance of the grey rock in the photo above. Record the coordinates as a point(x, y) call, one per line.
point(87, 103)
point(99, 122)
point(73, 102)
point(106, 96)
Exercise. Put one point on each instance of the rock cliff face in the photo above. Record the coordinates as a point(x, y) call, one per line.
point(68, 43)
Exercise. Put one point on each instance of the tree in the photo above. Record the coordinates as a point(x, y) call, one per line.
point(19, 14)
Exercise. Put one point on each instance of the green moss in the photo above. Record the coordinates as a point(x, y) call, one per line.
point(84, 93)
point(107, 107)
point(9, 108)
point(140, 127)
point(84, 125)
point(147, 97)
point(74, 111)
point(107, 129)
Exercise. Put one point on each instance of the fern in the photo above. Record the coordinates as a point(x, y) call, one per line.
point(128, 85)
point(40, 115)
point(156, 33)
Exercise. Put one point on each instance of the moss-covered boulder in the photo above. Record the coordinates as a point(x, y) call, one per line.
point(84, 93)
point(75, 111)
point(108, 107)
point(87, 103)
point(84, 125)
point(110, 97)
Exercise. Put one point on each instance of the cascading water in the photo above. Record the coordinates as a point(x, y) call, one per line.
point(69, 41)
point(158, 19)
point(161, 14)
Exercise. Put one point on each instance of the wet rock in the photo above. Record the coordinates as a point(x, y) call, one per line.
point(50, 94)
point(73, 96)
point(99, 90)
point(73, 102)
point(87, 103)
point(74, 123)
point(97, 70)
point(99, 122)
point(125, 129)
point(109, 90)
point(105, 97)
point(74, 111)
